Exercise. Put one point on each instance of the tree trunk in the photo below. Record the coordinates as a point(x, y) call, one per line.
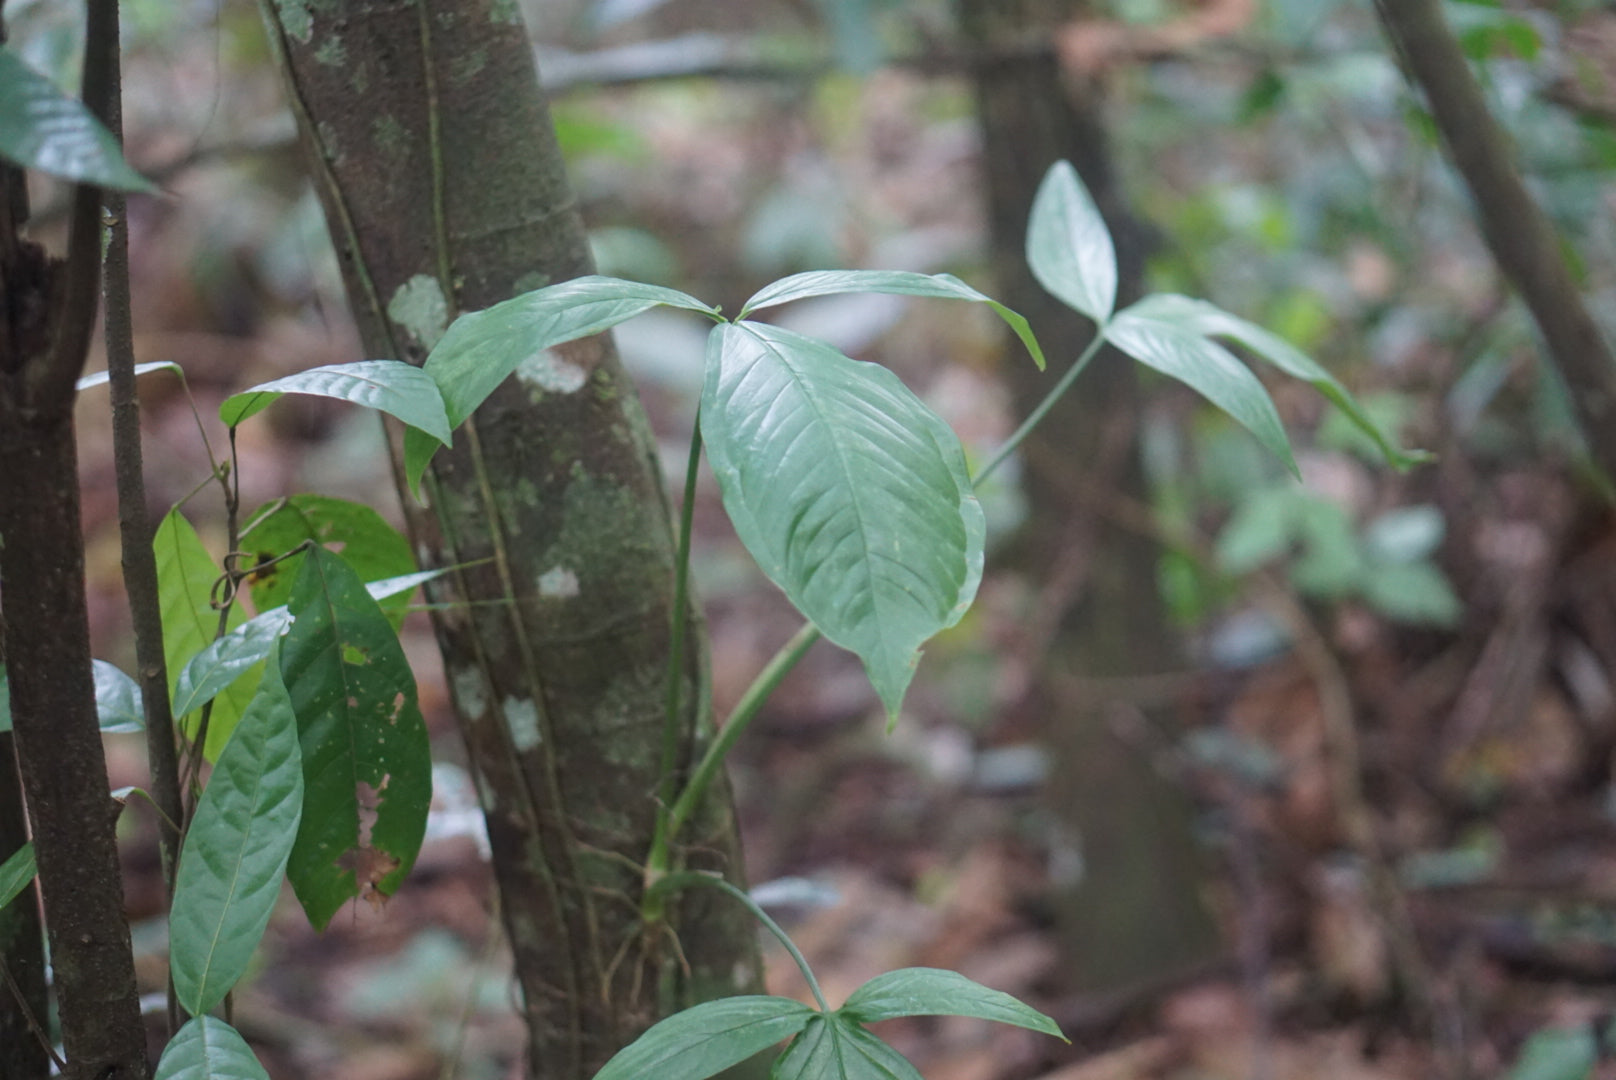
point(436, 161)
point(1137, 912)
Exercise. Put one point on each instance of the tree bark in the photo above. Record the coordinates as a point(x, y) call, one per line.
point(1137, 913)
point(436, 161)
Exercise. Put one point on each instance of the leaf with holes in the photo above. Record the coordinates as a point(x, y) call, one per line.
point(849, 492)
point(704, 1040)
point(207, 1048)
point(185, 577)
point(1206, 367)
point(481, 348)
point(366, 765)
point(358, 533)
point(45, 129)
point(236, 850)
point(1069, 247)
point(391, 386)
point(940, 286)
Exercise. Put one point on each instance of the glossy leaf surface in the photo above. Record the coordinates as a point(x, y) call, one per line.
point(401, 390)
point(934, 992)
point(366, 766)
point(940, 286)
point(1069, 247)
point(832, 1048)
point(236, 850)
point(224, 661)
point(118, 707)
point(45, 129)
point(849, 492)
point(99, 378)
point(481, 348)
point(1182, 353)
point(207, 1048)
point(706, 1039)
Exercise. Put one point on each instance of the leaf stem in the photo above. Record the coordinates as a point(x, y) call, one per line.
point(696, 877)
point(1037, 415)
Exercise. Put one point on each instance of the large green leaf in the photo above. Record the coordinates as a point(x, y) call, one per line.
point(1069, 247)
point(367, 542)
point(236, 850)
point(185, 577)
point(1207, 367)
point(849, 492)
point(366, 762)
point(1209, 320)
point(941, 286)
point(45, 129)
point(706, 1039)
point(934, 992)
point(16, 872)
point(118, 707)
point(831, 1048)
point(481, 348)
point(207, 1048)
point(401, 390)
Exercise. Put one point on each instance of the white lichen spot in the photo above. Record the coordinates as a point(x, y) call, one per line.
point(419, 307)
point(331, 53)
point(522, 718)
point(295, 19)
point(558, 584)
point(468, 691)
point(548, 371)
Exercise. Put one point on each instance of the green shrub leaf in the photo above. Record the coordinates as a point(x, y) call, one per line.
point(97, 378)
point(934, 992)
point(849, 492)
point(236, 850)
point(481, 348)
point(1069, 247)
point(940, 286)
point(45, 129)
point(831, 1048)
point(1185, 354)
point(401, 390)
point(366, 765)
point(1209, 320)
point(366, 541)
point(207, 1048)
point(118, 707)
point(224, 661)
point(1557, 1054)
point(16, 872)
point(706, 1039)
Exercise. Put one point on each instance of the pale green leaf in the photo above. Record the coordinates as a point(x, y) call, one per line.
point(849, 492)
point(207, 1048)
point(900, 283)
point(45, 129)
point(831, 1048)
point(1205, 366)
point(1557, 1054)
point(98, 378)
point(1069, 247)
point(118, 707)
point(401, 390)
point(366, 761)
point(1417, 593)
point(236, 850)
point(934, 992)
point(706, 1039)
point(225, 660)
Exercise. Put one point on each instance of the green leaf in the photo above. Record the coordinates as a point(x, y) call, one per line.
point(366, 762)
point(236, 850)
point(224, 661)
point(1069, 247)
point(98, 378)
point(1206, 367)
point(831, 1048)
point(1200, 317)
point(185, 577)
point(45, 129)
point(398, 389)
point(16, 872)
point(207, 1048)
point(1417, 593)
point(1407, 534)
point(1262, 528)
point(706, 1039)
point(899, 283)
point(1557, 1054)
point(366, 541)
point(934, 992)
point(849, 492)
point(118, 707)
point(5, 700)
point(481, 348)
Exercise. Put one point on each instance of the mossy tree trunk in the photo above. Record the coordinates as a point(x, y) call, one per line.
point(1137, 914)
point(436, 161)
